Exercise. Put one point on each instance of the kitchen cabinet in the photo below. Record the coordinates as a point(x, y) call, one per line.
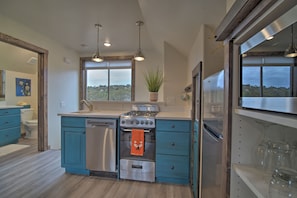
point(10, 126)
point(73, 145)
point(248, 130)
point(173, 151)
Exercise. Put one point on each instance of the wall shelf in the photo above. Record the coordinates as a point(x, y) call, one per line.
point(256, 180)
point(281, 119)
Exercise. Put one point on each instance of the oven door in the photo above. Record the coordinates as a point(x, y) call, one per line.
point(149, 146)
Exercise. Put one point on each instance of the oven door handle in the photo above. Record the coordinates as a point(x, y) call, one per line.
point(130, 130)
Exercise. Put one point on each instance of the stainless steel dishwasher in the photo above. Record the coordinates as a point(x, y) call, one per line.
point(101, 145)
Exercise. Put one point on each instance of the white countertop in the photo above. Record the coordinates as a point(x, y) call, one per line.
point(97, 114)
point(174, 115)
point(10, 106)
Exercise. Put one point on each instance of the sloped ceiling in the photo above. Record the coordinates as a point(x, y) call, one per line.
point(71, 22)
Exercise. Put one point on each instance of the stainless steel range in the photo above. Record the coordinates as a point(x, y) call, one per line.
point(138, 167)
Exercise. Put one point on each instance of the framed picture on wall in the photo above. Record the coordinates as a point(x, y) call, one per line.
point(23, 87)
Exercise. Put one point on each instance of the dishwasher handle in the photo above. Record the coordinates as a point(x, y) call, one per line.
point(91, 123)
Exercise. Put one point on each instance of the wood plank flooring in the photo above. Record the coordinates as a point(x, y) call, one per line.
point(31, 174)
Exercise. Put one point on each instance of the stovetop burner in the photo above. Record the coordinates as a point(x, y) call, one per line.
point(141, 116)
point(141, 113)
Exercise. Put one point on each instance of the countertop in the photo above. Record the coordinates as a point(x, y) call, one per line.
point(174, 116)
point(97, 114)
point(116, 114)
point(10, 107)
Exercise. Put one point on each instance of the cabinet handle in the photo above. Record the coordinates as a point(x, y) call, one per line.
point(172, 167)
point(173, 126)
point(172, 144)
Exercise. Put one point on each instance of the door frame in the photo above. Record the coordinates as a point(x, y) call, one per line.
point(42, 86)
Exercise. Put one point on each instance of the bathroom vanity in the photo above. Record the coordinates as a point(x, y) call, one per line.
point(10, 125)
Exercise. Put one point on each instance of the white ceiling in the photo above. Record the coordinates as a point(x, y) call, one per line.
point(71, 22)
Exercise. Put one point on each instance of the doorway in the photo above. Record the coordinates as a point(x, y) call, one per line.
point(42, 86)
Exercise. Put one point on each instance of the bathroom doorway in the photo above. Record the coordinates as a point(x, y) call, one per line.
point(42, 60)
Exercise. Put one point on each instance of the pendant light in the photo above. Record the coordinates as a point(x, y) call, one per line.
point(291, 52)
point(139, 56)
point(96, 57)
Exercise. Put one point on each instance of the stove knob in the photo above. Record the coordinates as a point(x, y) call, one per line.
point(137, 122)
point(141, 122)
point(151, 122)
point(132, 122)
point(146, 122)
point(123, 121)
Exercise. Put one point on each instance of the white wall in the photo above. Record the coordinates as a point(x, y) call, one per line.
point(207, 50)
point(229, 4)
point(175, 78)
point(62, 78)
point(10, 90)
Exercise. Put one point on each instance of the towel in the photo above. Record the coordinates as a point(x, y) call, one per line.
point(137, 142)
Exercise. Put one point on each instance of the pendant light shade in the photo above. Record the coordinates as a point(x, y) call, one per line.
point(139, 56)
point(96, 57)
point(291, 51)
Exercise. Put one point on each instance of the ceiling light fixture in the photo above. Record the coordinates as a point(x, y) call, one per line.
point(291, 51)
point(107, 44)
point(96, 57)
point(139, 56)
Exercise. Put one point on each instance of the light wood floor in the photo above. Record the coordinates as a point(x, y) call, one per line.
point(31, 174)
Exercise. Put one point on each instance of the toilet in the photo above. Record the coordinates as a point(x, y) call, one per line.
point(29, 126)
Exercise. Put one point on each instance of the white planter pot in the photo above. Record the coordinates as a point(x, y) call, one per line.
point(153, 96)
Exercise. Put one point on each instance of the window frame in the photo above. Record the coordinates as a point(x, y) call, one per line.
point(83, 73)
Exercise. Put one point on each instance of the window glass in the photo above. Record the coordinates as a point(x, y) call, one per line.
point(251, 81)
point(120, 85)
point(97, 85)
point(276, 81)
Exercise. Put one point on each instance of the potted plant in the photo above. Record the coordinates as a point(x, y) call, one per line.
point(154, 80)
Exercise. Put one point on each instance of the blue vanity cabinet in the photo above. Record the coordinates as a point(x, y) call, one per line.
point(73, 145)
point(10, 126)
point(173, 151)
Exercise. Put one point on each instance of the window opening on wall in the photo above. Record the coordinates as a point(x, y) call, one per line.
point(110, 80)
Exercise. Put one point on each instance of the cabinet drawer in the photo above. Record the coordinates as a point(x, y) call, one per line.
point(9, 136)
point(172, 166)
point(173, 125)
point(4, 112)
point(173, 143)
point(73, 122)
point(10, 121)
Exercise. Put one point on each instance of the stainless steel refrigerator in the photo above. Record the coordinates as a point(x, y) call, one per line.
point(212, 136)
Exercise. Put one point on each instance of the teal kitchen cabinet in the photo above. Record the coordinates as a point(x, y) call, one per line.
point(10, 126)
point(173, 151)
point(73, 145)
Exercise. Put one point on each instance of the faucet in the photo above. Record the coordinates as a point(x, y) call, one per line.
point(88, 104)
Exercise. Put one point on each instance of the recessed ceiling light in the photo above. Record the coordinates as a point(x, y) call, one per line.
point(107, 44)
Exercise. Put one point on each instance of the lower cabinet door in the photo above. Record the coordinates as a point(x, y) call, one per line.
point(9, 136)
point(173, 169)
point(74, 149)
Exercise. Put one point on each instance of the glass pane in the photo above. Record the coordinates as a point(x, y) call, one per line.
point(97, 85)
point(251, 81)
point(91, 64)
point(120, 85)
point(276, 81)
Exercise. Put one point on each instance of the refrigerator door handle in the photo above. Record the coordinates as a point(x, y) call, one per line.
point(212, 134)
